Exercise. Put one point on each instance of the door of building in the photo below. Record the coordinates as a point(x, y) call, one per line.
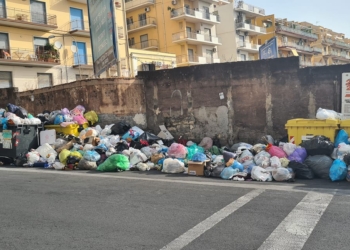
point(76, 19)
point(190, 55)
point(80, 56)
point(2, 9)
point(144, 41)
point(38, 12)
point(142, 19)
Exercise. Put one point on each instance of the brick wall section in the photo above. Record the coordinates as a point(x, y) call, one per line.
point(259, 97)
point(113, 99)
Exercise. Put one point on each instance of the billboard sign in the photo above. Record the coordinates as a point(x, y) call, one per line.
point(103, 34)
point(345, 100)
point(269, 50)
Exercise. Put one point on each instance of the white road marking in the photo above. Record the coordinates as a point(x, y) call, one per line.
point(210, 222)
point(295, 229)
point(291, 187)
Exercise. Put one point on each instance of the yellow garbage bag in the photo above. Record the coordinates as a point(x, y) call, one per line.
point(91, 116)
point(63, 156)
point(76, 154)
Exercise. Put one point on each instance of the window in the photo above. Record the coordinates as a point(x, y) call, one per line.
point(81, 77)
point(76, 18)
point(38, 12)
point(44, 80)
point(241, 41)
point(144, 41)
point(129, 20)
point(4, 46)
point(190, 55)
point(5, 79)
point(142, 19)
point(206, 12)
point(243, 57)
point(209, 55)
point(2, 9)
point(39, 44)
point(131, 41)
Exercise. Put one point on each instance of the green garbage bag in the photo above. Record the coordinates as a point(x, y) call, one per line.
point(114, 163)
point(214, 150)
point(194, 149)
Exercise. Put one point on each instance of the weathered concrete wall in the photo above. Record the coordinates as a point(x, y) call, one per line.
point(113, 99)
point(259, 97)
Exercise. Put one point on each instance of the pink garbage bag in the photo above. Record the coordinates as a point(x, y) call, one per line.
point(276, 151)
point(177, 150)
point(79, 119)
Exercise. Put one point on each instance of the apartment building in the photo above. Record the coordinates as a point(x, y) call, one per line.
point(186, 28)
point(293, 38)
point(239, 30)
point(334, 47)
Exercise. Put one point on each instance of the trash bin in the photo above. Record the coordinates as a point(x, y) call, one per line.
point(73, 129)
point(16, 141)
point(300, 130)
point(345, 125)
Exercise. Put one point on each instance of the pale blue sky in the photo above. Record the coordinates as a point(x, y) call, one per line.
point(331, 14)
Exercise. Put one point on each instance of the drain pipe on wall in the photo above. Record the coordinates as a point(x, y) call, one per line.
point(126, 38)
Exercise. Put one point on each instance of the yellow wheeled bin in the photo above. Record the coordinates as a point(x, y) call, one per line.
point(345, 124)
point(72, 129)
point(300, 130)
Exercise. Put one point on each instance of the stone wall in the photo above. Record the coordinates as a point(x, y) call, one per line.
point(258, 97)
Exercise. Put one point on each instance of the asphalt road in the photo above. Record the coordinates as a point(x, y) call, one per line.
point(47, 209)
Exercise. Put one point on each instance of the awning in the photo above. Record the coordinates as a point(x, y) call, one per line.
point(295, 53)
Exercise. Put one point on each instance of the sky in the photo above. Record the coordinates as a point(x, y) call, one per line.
point(331, 14)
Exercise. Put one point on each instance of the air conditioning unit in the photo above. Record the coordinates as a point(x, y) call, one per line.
point(147, 9)
point(174, 2)
point(118, 4)
point(214, 50)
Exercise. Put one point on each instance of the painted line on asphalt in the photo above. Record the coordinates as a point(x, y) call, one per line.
point(293, 232)
point(210, 222)
point(249, 185)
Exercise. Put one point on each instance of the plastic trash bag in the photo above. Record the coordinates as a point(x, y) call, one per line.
point(206, 143)
point(261, 174)
point(63, 156)
point(58, 165)
point(302, 171)
point(78, 110)
point(289, 148)
point(284, 162)
point(58, 119)
point(227, 173)
point(121, 146)
point(11, 108)
point(320, 165)
point(156, 157)
point(114, 163)
point(149, 137)
point(194, 149)
point(347, 159)
point(86, 165)
point(342, 150)
point(107, 130)
point(91, 117)
point(214, 171)
point(199, 157)
point(219, 159)
point(32, 157)
point(275, 162)
point(92, 156)
point(281, 174)
point(342, 137)
point(299, 155)
point(246, 158)
point(47, 152)
point(133, 133)
point(262, 159)
point(228, 155)
point(120, 128)
point(318, 145)
point(323, 114)
point(137, 156)
point(88, 147)
point(173, 166)
point(257, 148)
point(21, 112)
point(275, 151)
point(177, 150)
point(142, 166)
point(338, 171)
point(237, 165)
point(267, 139)
point(235, 147)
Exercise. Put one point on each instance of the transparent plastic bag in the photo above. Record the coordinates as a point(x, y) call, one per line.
point(289, 148)
point(261, 174)
point(262, 159)
point(275, 162)
point(92, 156)
point(281, 174)
point(246, 158)
point(173, 166)
point(177, 150)
point(323, 114)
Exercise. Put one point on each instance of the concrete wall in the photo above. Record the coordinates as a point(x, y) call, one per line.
point(113, 99)
point(259, 97)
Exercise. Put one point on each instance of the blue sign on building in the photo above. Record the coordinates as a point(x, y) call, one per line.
point(103, 34)
point(269, 50)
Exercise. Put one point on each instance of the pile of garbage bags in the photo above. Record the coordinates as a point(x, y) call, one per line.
point(16, 115)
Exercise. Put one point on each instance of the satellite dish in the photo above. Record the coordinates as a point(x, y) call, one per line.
point(73, 48)
point(58, 45)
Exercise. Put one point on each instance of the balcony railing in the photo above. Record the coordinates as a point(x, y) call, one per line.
point(134, 4)
point(247, 7)
point(196, 36)
point(297, 31)
point(319, 64)
point(28, 16)
point(79, 25)
point(142, 23)
point(295, 45)
point(251, 27)
point(81, 60)
point(27, 55)
point(200, 14)
point(191, 59)
point(305, 63)
point(247, 45)
point(342, 44)
point(317, 50)
point(145, 44)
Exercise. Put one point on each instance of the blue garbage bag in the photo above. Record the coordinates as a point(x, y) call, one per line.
point(228, 173)
point(342, 136)
point(92, 156)
point(238, 166)
point(58, 119)
point(338, 171)
point(199, 157)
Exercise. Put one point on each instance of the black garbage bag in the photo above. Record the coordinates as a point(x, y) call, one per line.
point(214, 170)
point(121, 146)
point(149, 137)
point(120, 128)
point(136, 144)
point(168, 142)
point(320, 165)
point(11, 108)
point(21, 112)
point(302, 171)
point(216, 142)
point(347, 159)
point(228, 155)
point(72, 160)
point(318, 145)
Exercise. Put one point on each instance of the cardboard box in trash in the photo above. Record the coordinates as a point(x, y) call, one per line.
point(196, 168)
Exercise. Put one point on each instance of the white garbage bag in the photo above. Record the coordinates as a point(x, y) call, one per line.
point(261, 174)
point(173, 166)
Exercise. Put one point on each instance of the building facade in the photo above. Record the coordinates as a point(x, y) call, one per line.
point(239, 31)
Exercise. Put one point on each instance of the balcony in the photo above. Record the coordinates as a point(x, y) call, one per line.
point(305, 64)
point(79, 28)
point(195, 38)
point(25, 19)
point(79, 1)
point(82, 61)
point(195, 16)
point(317, 50)
point(329, 53)
point(342, 56)
point(300, 48)
point(131, 5)
point(147, 23)
point(147, 45)
point(250, 47)
point(319, 64)
point(189, 60)
point(29, 58)
point(342, 45)
point(296, 33)
point(249, 10)
point(250, 28)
